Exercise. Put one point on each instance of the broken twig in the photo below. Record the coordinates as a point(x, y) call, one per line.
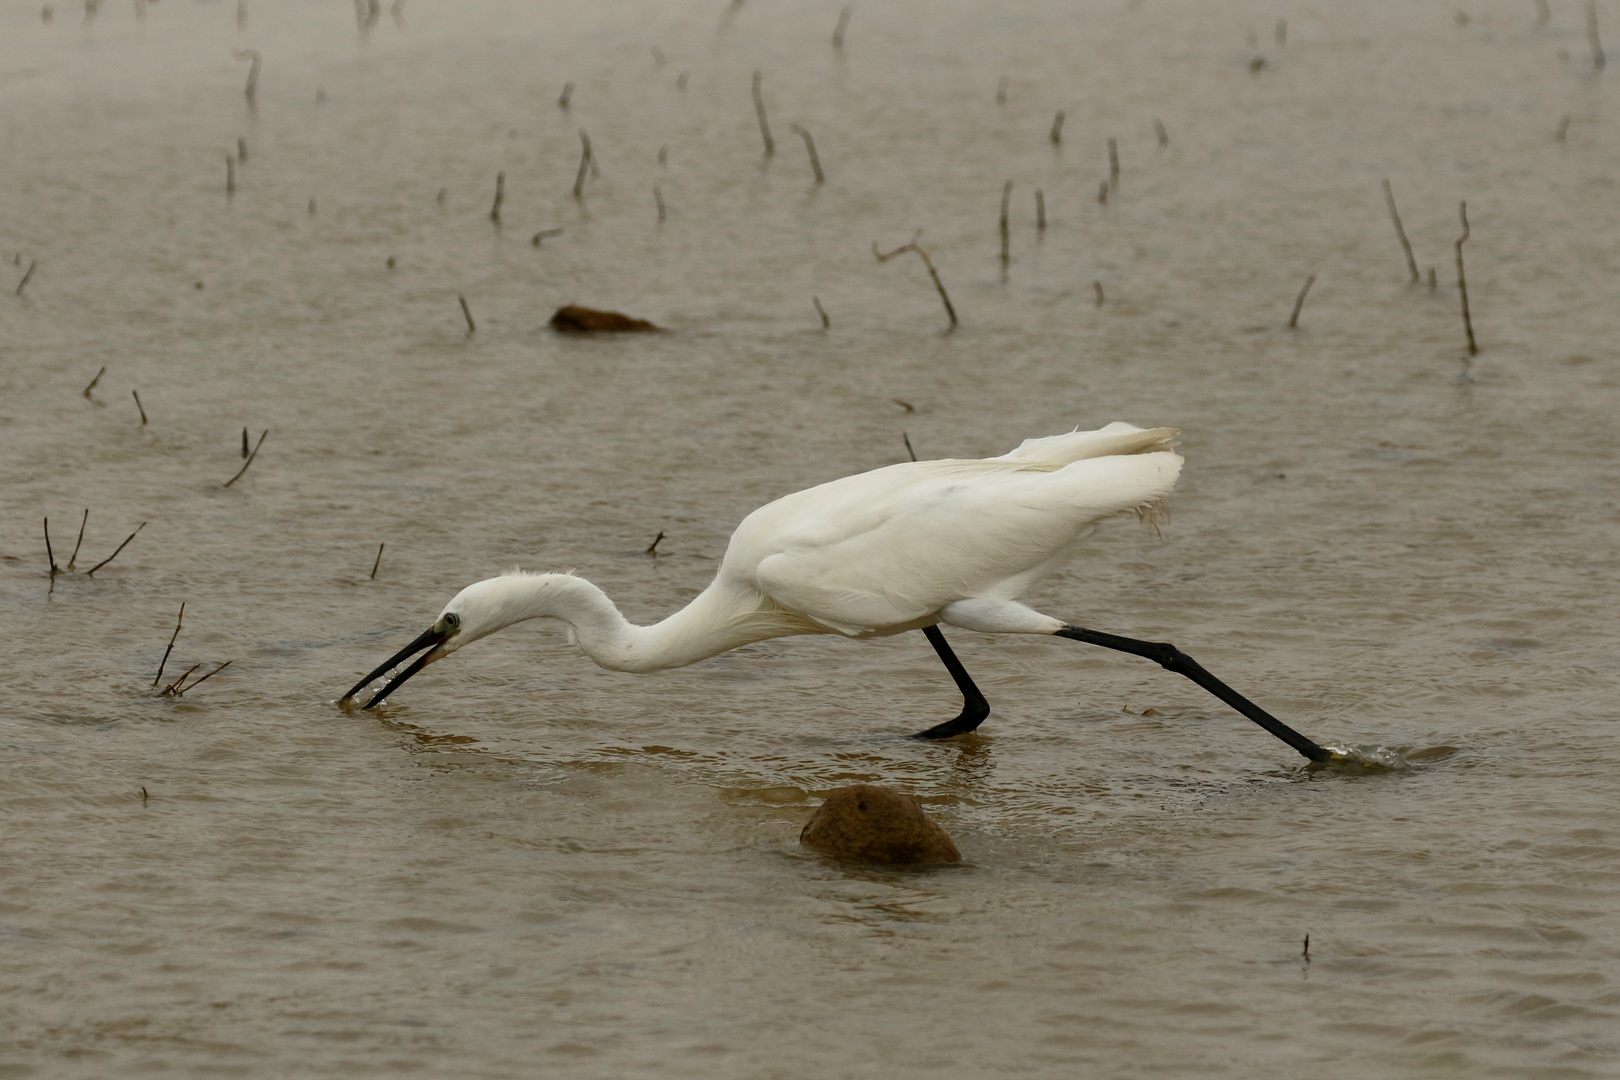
point(137, 395)
point(181, 618)
point(93, 382)
point(249, 460)
point(23, 284)
point(92, 571)
point(843, 24)
point(759, 110)
point(73, 558)
point(378, 562)
point(1462, 282)
point(49, 554)
point(810, 146)
point(826, 323)
point(584, 163)
point(1299, 302)
point(1406, 245)
point(933, 273)
point(652, 548)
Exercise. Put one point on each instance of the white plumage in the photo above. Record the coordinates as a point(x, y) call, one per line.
point(899, 548)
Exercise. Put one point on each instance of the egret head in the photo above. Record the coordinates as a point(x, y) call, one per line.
point(476, 611)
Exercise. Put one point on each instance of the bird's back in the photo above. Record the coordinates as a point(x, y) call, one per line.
point(884, 549)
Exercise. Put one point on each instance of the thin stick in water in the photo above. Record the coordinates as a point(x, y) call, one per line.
point(1598, 60)
point(909, 451)
point(1057, 128)
point(249, 460)
point(545, 234)
point(1102, 192)
point(1400, 232)
point(93, 382)
point(584, 164)
point(137, 395)
point(500, 197)
point(91, 572)
point(810, 147)
point(80, 542)
point(1158, 129)
point(23, 284)
point(1299, 302)
point(1098, 286)
point(182, 690)
point(933, 273)
point(1113, 163)
point(1006, 197)
point(181, 618)
point(826, 323)
point(658, 201)
point(1040, 211)
point(172, 690)
point(472, 327)
point(1462, 282)
point(567, 95)
point(759, 110)
point(843, 24)
point(652, 548)
point(230, 176)
point(241, 149)
point(49, 554)
point(252, 88)
point(378, 562)
point(244, 444)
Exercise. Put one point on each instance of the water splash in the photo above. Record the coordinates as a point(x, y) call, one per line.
point(1372, 759)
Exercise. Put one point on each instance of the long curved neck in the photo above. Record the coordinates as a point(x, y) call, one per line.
point(715, 621)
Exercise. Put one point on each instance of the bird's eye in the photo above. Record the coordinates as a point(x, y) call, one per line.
point(451, 620)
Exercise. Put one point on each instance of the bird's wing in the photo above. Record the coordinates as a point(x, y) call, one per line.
point(895, 545)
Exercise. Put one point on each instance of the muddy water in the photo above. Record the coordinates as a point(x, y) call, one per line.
point(524, 865)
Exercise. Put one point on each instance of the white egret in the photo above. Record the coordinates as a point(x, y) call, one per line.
point(906, 547)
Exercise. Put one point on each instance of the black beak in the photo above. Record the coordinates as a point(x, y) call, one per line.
point(428, 641)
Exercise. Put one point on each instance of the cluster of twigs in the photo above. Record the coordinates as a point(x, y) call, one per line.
point(179, 687)
point(74, 558)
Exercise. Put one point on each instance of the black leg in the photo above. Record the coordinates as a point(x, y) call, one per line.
point(974, 707)
point(1173, 659)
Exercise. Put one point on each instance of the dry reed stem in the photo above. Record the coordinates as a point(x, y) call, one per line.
point(92, 571)
point(1299, 302)
point(1400, 232)
point(80, 541)
point(584, 164)
point(249, 460)
point(180, 619)
point(759, 111)
point(950, 309)
point(810, 147)
point(1462, 282)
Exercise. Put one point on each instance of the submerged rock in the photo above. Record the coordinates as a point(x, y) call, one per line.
point(875, 824)
point(573, 319)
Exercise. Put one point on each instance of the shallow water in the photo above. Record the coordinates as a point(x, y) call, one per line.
point(524, 863)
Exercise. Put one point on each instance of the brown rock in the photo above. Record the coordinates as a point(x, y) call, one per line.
point(573, 319)
point(879, 825)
